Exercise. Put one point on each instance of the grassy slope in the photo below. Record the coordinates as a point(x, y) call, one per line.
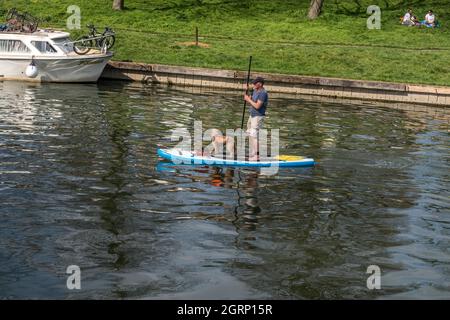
point(338, 44)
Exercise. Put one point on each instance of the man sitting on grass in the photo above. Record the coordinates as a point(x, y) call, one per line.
point(430, 20)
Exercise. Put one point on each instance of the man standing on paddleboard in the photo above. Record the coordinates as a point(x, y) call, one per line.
point(258, 104)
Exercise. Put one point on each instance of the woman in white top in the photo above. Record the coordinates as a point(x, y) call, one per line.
point(430, 19)
point(407, 21)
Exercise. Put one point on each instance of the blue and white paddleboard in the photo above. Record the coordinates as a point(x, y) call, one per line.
point(187, 157)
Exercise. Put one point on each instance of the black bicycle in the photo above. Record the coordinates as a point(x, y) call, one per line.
point(95, 40)
point(21, 22)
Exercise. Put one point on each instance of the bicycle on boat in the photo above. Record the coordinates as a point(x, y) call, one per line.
point(20, 22)
point(95, 40)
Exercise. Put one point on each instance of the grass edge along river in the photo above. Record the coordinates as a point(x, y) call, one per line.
point(276, 33)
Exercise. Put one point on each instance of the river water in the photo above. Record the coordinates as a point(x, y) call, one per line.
point(80, 184)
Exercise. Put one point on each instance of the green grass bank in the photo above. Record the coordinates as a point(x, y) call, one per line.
point(276, 33)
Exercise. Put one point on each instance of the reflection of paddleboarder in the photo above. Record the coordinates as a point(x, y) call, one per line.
point(258, 104)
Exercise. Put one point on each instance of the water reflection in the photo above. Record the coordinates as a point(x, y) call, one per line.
point(80, 183)
point(244, 183)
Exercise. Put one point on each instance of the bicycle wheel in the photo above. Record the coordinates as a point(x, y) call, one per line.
point(83, 45)
point(11, 14)
point(15, 26)
point(107, 41)
point(30, 23)
point(29, 27)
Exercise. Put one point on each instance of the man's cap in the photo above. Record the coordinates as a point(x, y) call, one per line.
point(258, 79)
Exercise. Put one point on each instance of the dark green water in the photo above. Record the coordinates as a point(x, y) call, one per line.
point(80, 184)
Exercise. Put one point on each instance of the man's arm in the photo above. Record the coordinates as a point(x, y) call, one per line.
point(255, 105)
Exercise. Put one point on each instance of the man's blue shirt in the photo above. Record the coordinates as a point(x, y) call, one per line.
point(264, 97)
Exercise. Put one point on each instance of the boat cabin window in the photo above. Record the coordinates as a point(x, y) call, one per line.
point(65, 44)
point(13, 46)
point(43, 46)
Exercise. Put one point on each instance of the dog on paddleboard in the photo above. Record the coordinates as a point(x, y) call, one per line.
point(219, 143)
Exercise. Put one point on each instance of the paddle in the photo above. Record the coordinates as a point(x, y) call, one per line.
point(246, 91)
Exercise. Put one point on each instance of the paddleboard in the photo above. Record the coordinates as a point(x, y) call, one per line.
point(187, 157)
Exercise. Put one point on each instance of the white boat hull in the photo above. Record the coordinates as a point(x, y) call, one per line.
point(58, 69)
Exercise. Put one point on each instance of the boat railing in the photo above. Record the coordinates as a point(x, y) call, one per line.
point(81, 40)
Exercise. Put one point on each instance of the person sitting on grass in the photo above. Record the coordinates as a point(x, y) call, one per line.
point(407, 18)
point(430, 20)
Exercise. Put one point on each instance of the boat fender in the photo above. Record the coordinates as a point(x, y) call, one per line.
point(32, 71)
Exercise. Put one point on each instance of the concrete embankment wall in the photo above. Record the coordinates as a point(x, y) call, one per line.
point(278, 83)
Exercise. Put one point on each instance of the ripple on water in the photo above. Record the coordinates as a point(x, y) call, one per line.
point(80, 183)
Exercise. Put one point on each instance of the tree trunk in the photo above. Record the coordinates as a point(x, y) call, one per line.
point(314, 9)
point(118, 5)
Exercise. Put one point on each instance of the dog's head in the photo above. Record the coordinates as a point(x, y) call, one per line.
point(215, 133)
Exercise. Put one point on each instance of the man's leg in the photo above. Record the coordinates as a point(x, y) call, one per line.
point(249, 125)
point(253, 152)
point(257, 124)
point(251, 132)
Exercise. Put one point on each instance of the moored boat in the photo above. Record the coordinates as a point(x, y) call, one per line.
point(48, 56)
